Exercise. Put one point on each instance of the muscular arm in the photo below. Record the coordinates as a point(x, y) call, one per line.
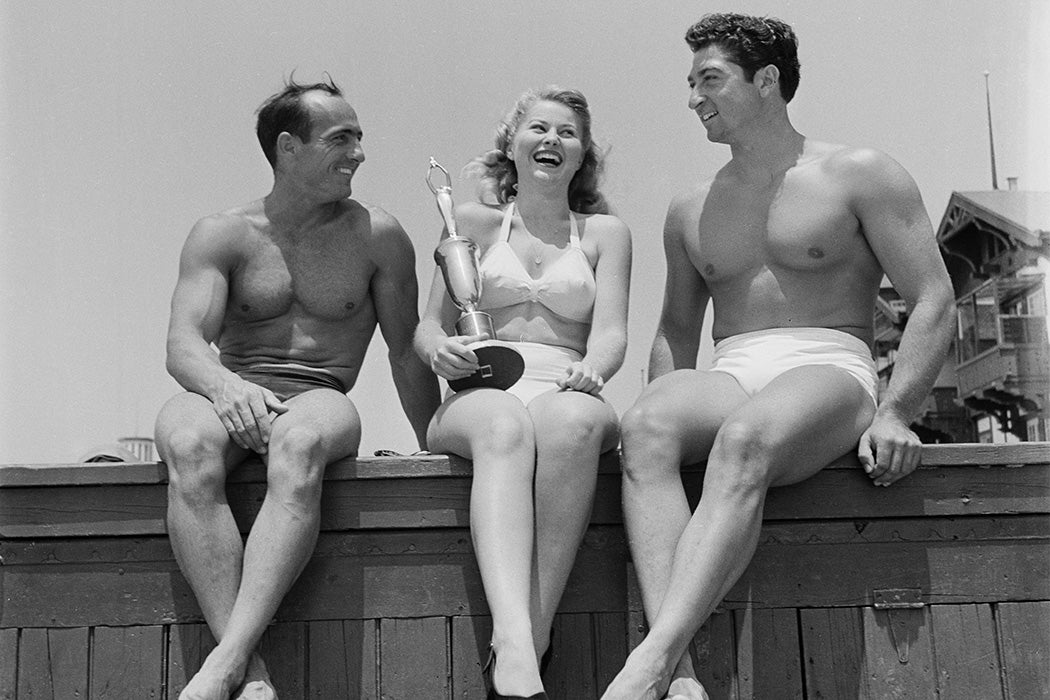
point(395, 295)
point(894, 220)
point(198, 307)
point(677, 340)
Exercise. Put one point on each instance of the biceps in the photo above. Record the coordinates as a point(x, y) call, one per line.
point(396, 297)
point(199, 303)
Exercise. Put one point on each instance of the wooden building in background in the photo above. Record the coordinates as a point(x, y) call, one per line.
point(995, 385)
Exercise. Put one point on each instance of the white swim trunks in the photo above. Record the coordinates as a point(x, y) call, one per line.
point(754, 359)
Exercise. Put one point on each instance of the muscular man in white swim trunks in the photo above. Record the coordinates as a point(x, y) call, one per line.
point(790, 241)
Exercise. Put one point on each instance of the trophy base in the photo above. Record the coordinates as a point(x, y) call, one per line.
point(501, 366)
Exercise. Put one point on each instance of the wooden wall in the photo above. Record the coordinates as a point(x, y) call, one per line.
point(92, 604)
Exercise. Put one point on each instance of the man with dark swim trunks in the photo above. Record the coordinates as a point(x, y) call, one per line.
point(289, 289)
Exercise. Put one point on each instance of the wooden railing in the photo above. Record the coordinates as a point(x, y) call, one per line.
point(936, 587)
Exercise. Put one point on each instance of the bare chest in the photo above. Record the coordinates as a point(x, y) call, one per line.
point(321, 277)
point(800, 226)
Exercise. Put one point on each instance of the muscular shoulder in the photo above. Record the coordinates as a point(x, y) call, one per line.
point(224, 235)
point(684, 210)
point(383, 233)
point(863, 167)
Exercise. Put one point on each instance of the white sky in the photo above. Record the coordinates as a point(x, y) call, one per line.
point(122, 123)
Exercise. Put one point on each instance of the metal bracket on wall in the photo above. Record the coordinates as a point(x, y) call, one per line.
point(894, 601)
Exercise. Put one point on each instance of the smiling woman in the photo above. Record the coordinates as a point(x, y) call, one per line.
point(159, 96)
point(554, 275)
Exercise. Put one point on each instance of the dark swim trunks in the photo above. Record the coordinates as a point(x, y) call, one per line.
point(287, 381)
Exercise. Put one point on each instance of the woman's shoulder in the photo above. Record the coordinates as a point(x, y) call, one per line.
point(479, 220)
point(604, 225)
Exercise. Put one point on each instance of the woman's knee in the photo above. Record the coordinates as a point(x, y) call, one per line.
point(572, 426)
point(503, 432)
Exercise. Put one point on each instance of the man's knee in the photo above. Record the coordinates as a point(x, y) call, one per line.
point(744, 453)
point(196, 470)
point(648, 425)
point(296, 462)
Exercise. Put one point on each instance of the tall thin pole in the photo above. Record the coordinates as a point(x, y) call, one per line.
point(991, 137)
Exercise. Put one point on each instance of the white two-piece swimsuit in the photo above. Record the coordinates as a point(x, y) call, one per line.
point(567, 288)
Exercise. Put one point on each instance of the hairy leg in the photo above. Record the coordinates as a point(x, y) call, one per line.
point(198, 452)
point(320, 426)
point(572, 430)
point(784, 434)
point(673, 423)
point(493, 429)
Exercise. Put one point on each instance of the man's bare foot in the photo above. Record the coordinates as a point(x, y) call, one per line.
point(214, 681)
point(686, 689)
point(635, 682)
point(257, 684)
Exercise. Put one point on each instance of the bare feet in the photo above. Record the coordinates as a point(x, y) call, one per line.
point(257, 684)
point(643, 677)
point(214, 681)
point(686, 689)
point(630, 685)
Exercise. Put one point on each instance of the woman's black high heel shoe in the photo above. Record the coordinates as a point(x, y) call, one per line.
point(545, 660)
point(492, 694)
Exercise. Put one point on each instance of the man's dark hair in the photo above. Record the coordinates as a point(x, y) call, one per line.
point(752, 43)
point(285, 112)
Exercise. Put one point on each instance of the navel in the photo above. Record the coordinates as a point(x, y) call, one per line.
point(709, 269)
point(815, 253)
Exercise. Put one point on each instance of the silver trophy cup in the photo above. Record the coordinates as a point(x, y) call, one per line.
point(457, 256)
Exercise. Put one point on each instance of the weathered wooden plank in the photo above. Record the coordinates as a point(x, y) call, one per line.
point(362, 651)
point(955, 491)
point(127, 662)
point(34, 668)
point(188, 646)
point(8, 664)
point(469, 646)
point(414, 659)
point(327, 660)
point(407, 466)
point(986, 454)
point(572, 675)
point(84, 474)
point(898, 654)
point(964, 649)
point(712, 650)
point(68, 657)
point(768, 664)
point(283, 649)
point(937, 556)
point(610, 645)
point(833, 650)
point(1024, 640)
point(380, 574)
point(427, 492)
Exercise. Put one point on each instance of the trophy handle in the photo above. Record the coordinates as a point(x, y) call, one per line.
point(443, 196)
